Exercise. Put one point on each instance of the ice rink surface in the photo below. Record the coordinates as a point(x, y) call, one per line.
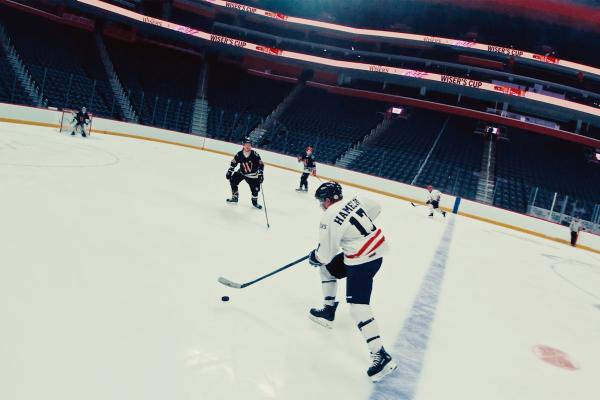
point(110, 252)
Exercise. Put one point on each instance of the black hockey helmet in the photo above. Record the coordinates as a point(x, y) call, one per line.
point(246, 139)
point(329, 190)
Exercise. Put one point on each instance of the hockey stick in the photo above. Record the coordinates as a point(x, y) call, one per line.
point(315, 176)
point(236, 285)
point(415, 205)
point(265, 205)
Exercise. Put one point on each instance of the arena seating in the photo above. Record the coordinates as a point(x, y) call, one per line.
point(62, 60)
point(239, 101)
point(162, 84)
point(330, 123)
point(163, 94)
point(398, 154)
point(455, 163)
point(10, 88)
point(530, 161)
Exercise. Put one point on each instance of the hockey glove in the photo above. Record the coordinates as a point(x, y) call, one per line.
point(313, 260)
point(228, 174)
point(428, 202)
point(261, 177)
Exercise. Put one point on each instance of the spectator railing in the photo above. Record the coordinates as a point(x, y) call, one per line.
point(561, 208)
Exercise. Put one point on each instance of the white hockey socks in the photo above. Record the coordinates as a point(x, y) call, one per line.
point(363, 316)
point(329, 286)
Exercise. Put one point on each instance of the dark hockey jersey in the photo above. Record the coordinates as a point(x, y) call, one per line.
point(249, 166)
point(309, 163)
point(82, 118)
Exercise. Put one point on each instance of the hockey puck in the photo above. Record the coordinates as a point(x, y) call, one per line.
point(225, 298)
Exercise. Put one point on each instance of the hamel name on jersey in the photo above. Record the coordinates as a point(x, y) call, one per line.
point(346, 211)
point(348, 225)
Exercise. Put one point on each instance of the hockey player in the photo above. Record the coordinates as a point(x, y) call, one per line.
point(575, 226)
point(251, 171)
point(310, 168)
point(433, 200)
point(81, 119)
point(352, 247)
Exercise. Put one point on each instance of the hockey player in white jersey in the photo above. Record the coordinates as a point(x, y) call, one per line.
point(433, 200)
point(352, 247)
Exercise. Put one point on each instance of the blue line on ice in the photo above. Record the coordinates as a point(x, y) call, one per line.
point(411, 345)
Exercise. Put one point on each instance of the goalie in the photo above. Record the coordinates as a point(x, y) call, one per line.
point(81, 120)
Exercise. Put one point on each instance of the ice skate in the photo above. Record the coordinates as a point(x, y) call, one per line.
point(324, 316)
point(233, 199)
point(382, 365)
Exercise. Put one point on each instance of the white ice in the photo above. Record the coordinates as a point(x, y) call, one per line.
point(110, 250)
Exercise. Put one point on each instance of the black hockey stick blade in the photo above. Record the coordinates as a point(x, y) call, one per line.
point(229, 283)
point(235, 285)
point(412, 204)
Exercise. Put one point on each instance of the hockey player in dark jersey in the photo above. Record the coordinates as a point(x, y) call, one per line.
point(81, 119)
point(310, 168)
point(251, 171)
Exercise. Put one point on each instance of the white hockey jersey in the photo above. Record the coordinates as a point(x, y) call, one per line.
point(434, 195)
point(575, 225)
point(348, 225)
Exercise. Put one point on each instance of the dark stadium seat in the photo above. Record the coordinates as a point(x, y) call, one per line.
point(456, 161)
point(398, 153)
point(163, 94)
point(529, 161)
point(10, 88)
point(330, 123)
point(62, 60)
point(239, 101)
